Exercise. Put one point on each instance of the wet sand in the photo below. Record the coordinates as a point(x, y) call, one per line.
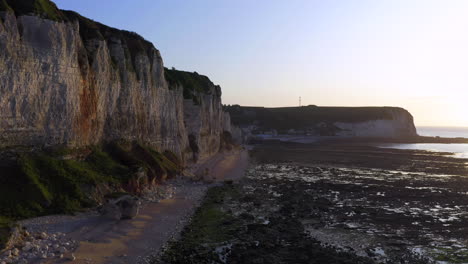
point(351, 154)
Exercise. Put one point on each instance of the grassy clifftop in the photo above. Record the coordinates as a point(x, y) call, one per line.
point(192, 82)
point(303, 117)
point(132, 43)
point(43, 8)
point(89, 30)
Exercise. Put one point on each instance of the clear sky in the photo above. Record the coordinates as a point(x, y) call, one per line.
point(408, 53)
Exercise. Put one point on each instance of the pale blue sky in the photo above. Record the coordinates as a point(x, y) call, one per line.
point(408, 53)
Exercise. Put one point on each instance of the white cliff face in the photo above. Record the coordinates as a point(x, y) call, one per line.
point(205, 123)
point(57, 88)
point(399, 125)
point(313, 121)
point(376, 128)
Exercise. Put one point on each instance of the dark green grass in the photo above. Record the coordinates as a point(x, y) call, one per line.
point(43, 8)
point(303, 117)
point(46, 183)
point(210, 226)
point(192, 82)
point(5, 7)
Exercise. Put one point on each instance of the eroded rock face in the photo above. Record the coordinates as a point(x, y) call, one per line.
point(205, 122)
point(58, 88)
point(64, 84)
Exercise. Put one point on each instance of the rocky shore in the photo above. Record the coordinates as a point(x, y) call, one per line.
point(39, 245)
point(344, 207)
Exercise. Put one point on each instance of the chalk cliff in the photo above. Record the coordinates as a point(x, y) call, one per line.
point(67, 80)
point(385, 122)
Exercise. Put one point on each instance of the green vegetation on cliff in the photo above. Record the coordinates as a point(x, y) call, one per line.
point(192, 82)
point(284, 118)
point(5, 7)
point(52, 182)
point(62, 180)
point(132, 43)
point(43, 8)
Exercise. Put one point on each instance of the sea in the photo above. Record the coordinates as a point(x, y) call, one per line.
point(458, 150)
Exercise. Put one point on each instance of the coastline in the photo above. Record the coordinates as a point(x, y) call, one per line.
point(311, 203)
point(359, 140)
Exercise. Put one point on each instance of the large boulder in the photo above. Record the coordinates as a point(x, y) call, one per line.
point(124, 207)
point(129, 206)
point(111, 211)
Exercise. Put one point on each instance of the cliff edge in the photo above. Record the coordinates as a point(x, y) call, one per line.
point(88, 111)
point(67, 80)
point(384, 122)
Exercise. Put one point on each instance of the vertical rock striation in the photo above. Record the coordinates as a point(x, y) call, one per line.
point(67, 80)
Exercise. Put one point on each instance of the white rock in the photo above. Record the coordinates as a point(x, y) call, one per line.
point(27, 246)
point(43, 235)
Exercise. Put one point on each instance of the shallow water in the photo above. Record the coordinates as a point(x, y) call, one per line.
point(450, 132)
point(459, 150)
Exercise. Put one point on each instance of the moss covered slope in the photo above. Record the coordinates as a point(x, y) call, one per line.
point(63, 182)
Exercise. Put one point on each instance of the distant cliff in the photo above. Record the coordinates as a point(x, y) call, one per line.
point(388, 122)
point(68, 80)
